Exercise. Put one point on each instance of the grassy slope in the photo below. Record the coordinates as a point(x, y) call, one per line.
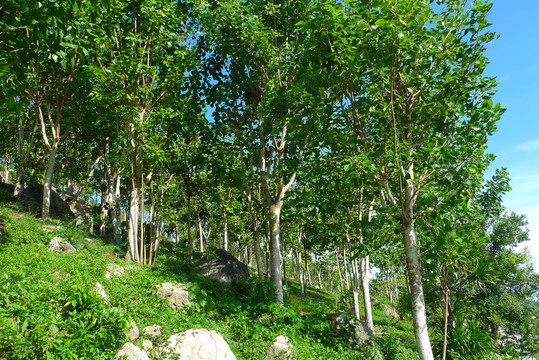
point(48, 308)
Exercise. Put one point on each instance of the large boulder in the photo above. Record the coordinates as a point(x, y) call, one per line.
point(175, 294)
point(223, 267)
point(280, 349)
point(197, 344)
point(31, 199)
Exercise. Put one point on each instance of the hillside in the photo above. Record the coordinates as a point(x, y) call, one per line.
point(51, 310)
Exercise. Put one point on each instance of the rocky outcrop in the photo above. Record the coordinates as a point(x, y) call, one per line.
point(31, 199)
point(197, 344)
point(59, 244)
point(222, 266)
point(389, 311)
point(175, 294)
point(131, 352)
point(281, 349)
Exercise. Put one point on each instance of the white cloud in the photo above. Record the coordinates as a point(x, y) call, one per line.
point(530, 145)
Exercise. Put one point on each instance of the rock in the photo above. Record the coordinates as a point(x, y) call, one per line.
point(337, 321)
point(224, 267)
point(176, 294)
point(132, 352)
point(281, 349)
point(133, 332)
point(147, 344)
point(362, 335)
point(114, 270)
point(389, 311)
point(31, 199)
point(51, 228)
point(60, 244)
point(101, 291)
point(154, 330)
point(81, 210)
point(374, 301)
point(197, 344)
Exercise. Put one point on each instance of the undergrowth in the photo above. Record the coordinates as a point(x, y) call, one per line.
point(49, 308)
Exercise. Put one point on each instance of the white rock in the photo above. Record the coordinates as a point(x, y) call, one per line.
point(281, 349)
point(134, 332)
point(60, 244)
point(176, 294)
point(154, 330)
point(197, 344)
point(132, 351)
point(114, 270)
point(101, 291)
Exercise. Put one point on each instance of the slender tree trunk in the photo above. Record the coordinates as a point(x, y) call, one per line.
point(7, 164)
point(275, 250)
point(117, 217)
point(189, 237)
point(340, 272)
point(225, 231)
point(132, 231)
point(364, 264)
point(446, 310)
point(416, 291)
point(258, 255)
point(346, 270)
point(284, 267)
point(200, 232)
point(364, 268)
point(300, 271)
point(47, 184)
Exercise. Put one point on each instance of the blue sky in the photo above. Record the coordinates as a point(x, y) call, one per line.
point(514, 60)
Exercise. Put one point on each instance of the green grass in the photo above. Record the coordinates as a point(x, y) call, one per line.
point(49, 309)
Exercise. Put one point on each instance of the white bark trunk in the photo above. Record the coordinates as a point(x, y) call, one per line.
point(132, 245)
point(416, 291)
point(47, 184)
point(275, 250)
point(116, 219)
point(300, 270)
point(364, 265)
point(225, 232)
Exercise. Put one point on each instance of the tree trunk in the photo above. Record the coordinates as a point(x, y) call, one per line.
point(416, 290)
point(47, 184)
point(364, 265)
point(132, 232)
point(284, 268)
point(275, 250)
point(117, 216)
point(340, 272)
point(7, 164)
point(300, 271)
point(346, 270)
point(258, 255)
point(189, 237)
point(225, 231)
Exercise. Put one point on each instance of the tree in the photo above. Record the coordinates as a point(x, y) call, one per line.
point(416, 102)
point(257, 93)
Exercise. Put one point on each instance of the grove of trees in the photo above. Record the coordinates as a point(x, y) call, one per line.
point(318, 140)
